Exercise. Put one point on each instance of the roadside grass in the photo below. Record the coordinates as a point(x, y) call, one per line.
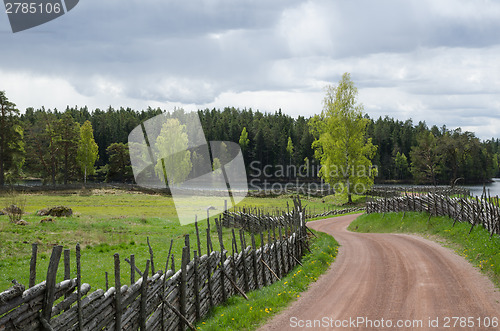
point(106, 222)
point(239, 314)
point(477, 248)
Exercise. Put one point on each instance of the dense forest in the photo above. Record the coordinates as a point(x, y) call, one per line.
point(43, 144)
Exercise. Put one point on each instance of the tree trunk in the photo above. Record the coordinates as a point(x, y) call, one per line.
point(2, 179)
point(349, 195)
point(53, 175)
point(66, 161)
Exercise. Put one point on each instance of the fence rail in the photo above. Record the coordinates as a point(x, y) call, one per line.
point(483, 211)
point(171, 300)
point(396, 191)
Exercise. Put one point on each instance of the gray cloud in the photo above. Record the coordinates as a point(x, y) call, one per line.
point(428, 60)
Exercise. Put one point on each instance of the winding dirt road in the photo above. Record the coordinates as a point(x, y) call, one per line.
point(392, 282)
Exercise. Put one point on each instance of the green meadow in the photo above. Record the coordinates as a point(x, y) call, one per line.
point(107, 222)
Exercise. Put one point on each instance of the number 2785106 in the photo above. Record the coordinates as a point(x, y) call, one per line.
point(32, 8)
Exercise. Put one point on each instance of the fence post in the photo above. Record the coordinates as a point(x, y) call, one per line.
point(198, 238)
point(188, 245)
point(196, 286)
point(144, 297)
point(183, 285)
point(151, 255)
point(209, 270)
point(118, 294)
point(132, 269)
point(32, 281)
point(254, 262)
point(262, 257)
point(244, 261)
point(67, 270)
point(79, 288)
point(48, 299)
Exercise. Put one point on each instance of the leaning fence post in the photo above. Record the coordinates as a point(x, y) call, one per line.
point(32, 281)
point(254, 263)
point(118, 294)
point(79, 287)
point(244, 261)
point(183, 285)
point(144, 296)
point(198, 242)
point(49, 296)
point(262, 257)
point(152, 258)
point(67, 270)
point(196, 285)
point(132, 269)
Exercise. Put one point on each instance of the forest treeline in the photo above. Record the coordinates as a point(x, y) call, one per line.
point(43, 143)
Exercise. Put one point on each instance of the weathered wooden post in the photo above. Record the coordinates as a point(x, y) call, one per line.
point(151, 255)
point(244, 261)
point(79, 287)
point(144, 297)
point(132, 269)
point(32, 281)
point(49, 297)
point(118, 294)
point(183, 286)
point(196, 286)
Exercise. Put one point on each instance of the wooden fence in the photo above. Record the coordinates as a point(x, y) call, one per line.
point(171, 300)
point(263, 222)
point(483, 211)
point(396, 191)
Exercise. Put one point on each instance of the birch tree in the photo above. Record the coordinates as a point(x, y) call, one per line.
point(341, 144)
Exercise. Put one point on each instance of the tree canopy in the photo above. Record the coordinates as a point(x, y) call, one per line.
point(41, 143)
point(341, 144)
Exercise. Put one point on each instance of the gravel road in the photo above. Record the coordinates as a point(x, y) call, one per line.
point(392, 282)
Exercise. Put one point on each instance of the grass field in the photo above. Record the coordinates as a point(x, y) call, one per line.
point(107, 222)
point(477, 248)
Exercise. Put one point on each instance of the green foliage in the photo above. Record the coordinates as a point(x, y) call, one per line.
point(244, 141)
point(477, 247)
point(342, 147)
point(119, 167)
point(401, 163)
point(289, 147)
point(170, 143)
point(87, 150)
point(11, 141)
point(69, 133)
point(463, 154)
point(426, 159)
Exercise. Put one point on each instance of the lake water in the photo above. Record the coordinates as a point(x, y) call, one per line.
point(494, 188)
point(475, 190)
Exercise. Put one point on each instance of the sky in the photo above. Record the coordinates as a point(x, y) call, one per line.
point(429, 60)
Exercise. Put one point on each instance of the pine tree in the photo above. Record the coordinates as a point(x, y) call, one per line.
point(11, 140)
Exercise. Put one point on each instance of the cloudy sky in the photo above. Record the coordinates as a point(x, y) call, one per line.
point(432, 60)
